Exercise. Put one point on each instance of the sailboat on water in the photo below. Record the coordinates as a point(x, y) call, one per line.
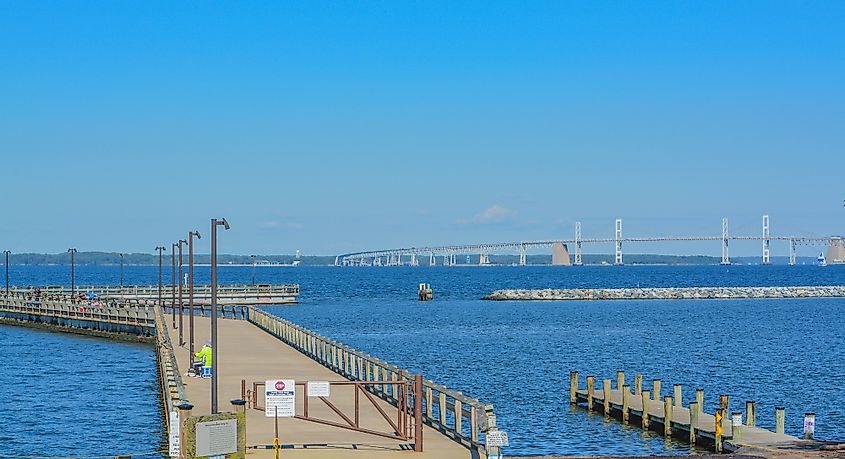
point(822, 261)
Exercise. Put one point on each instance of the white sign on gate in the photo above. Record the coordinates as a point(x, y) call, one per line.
point(280, 394)
point(174, 438)
point(319, 389)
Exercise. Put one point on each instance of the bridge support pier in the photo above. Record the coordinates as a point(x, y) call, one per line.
point(522, 257)
point(578, 261)
point(766, 259)
point(414, 260)
point(792, 252)
point(726, 260)
point(618, 258)
point(431, 260)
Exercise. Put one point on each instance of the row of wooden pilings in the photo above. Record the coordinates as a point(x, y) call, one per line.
point(697, 431)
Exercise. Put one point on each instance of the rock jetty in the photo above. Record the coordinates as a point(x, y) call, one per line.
point(680, 293)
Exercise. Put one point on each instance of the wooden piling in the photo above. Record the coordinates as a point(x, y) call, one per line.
point(605, 389)
point(626, 402)
point(717, 436)
point(736, 427)
point(699, 399)
point(573, 387)
point(638, 384)
point(694, 411)
point(656, 390)
point(724, 403)
point(809, 426)
point(751, 413)
point(620, 379)
point(780, 419)
point(667, 416)
point(591, 391)
point(678, 395)
point(646, 396)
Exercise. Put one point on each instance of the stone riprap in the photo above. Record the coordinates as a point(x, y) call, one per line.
point(680, 293)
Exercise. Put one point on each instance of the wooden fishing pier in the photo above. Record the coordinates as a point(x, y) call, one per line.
point(723, 431)
point(251, 295)
point(375, 409)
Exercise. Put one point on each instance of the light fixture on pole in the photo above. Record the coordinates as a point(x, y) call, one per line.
point(214, 343)
point(160, 250)
point(191, 235)
point(181, 338)
point(7, 252)
point(72, 251)
point(253, 268)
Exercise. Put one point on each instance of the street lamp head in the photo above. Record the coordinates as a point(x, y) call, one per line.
point(224, 223)
point(71, 250)
point(195, 234)
point(161, 249)
point(182, 241)
point(7, 252)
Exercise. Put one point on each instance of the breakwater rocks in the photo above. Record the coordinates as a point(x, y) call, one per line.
point(681, 293)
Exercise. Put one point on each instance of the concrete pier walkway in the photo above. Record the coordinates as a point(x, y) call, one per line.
point(248, 353)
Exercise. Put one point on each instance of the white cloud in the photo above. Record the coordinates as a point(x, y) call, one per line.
point(492, 214)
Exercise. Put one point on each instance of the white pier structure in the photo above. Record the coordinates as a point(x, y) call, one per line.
point(448, 254)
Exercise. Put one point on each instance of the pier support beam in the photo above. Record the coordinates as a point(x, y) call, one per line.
point(726, 259)
point(699, 399)
point(678, 394)
point(605, 393)
point(766, 258)
point(431, 259)
point(626, 403)
point(573, 387)
point(667, 416)
point(694, 411)
point(717, 428)
point(578, 261)
point(646, 396)
point(618, 257)
point(591, 391)
point(751, 413)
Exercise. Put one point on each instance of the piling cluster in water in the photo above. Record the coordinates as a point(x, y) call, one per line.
point(672, 293)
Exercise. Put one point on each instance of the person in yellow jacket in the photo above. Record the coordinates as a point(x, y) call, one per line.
point(203, 358)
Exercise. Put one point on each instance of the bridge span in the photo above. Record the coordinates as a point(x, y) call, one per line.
point(560, 248)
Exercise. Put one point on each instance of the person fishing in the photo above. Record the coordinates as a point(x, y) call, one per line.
point(202, 366)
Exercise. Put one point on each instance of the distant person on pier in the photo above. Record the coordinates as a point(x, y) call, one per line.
point(202, 367)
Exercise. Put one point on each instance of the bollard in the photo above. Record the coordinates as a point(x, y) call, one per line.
point(626, 402)
point(605, 390)
point(656, 390)
point(638, 384)
point(591, 391)
point(751, 413)
point(573, 387)
point(679, 399)
point(717, 434)
point(780, 419)
point(699, 398)
point(184, 413)
point(620, 379)
point(723, 404)
point(694, 411)
point(736, 427)
point(667, 416)
point(809, 425)
point(646, 397)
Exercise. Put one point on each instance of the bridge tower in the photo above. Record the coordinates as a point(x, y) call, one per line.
point(766, 258)
point(792, 251)
point(578, 261)
point(414, 260)
point(726, 259)
point(618, 260)
point(431, 260)
point(522, 257)
point(337, 261)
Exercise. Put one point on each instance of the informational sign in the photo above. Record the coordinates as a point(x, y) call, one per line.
point(319, 389)
point(174, 437)
point(216, 438)
point(280, 394)
point(497, 438)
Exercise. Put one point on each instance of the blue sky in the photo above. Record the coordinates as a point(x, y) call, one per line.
point(337, 126)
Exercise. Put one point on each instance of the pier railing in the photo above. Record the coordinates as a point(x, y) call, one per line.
point(172, 388)
point(241, 290)
point(56, 307)
point(462, 418)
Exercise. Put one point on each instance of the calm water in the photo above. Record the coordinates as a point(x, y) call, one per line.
point(517, 355)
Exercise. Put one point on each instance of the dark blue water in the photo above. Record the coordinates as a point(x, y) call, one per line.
point(517, 355)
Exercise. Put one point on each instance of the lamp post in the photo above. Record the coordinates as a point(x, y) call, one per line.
point(181, 338)
point(121, 271)
point(214, 344)
point(160, 250)
point(7, 252)
point(72, 251)
point(173, 281)
point(253, 268)
point(191, 235)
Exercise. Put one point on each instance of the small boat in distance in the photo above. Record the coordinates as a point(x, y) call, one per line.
point(821, 260)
